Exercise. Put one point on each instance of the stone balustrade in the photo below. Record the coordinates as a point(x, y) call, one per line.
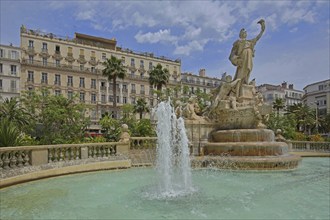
point(13, 157)
point(309, 146)
point(23, 156)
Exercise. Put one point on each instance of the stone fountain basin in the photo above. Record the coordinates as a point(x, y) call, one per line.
point(243, 135)
point(246, 148)
point(283, 162)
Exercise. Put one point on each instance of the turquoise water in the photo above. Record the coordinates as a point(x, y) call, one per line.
point(126, 194)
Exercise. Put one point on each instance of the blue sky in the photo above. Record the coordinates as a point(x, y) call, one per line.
point(295, 47)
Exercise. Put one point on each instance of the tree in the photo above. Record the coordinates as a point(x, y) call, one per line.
point(114, 69)
point(56, 118)
point(9, 133)
point(304, 116)
point(111, 127)
point(159, 77)
point(278, 104)
point(141, 107)
point(14, 112)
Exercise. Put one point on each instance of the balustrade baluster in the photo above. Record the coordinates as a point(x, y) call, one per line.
point(19, 159)
point(61, 154)
point(13, 159)
point(6, 161)
point(55, 155)
point(97, 151)
point(72, 151)
point(108, 151)
point(66, 154)
point(1, 161)
point(49, 155)
point(78, 150)
point(90, 152)
point(94, 152)
point(26, 158)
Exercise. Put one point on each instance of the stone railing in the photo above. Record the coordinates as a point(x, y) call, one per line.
point(143, 143)
point(13, 157)
point(309, 146)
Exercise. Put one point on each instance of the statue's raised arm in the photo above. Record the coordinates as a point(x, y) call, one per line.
point(263, 27)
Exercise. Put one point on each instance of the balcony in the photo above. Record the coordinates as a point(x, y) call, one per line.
point(70, 84)
point(93, 61)
point(142, 92)
point(57, 55)
point(44, 53)
point(133, 91)
point(30, 51)
point(61, 66)
point(82, 59)
point(44, 81)
point(69, 57)
point(57, 83)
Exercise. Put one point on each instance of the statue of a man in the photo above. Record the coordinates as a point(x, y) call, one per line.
point(242, 54)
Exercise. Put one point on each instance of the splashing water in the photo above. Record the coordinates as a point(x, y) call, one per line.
point(173, 162)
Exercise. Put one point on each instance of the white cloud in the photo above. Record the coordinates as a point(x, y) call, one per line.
point(190, 47)
point(85, 15)
point(156, 37)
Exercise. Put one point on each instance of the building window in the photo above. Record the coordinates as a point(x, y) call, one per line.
point(133, 88)
point(123, 59)
point(2, 53)
point(31, 44)
point(14, 55)
point(13, 85)
point(44, 47)
point(150, 65)
point(13, 69)
point(57, 79)
point(93, 98)
point(124, 88)
point(44, 78)
point(70, 94)
point(57, 92)
point(0, 67)
point(0, 84)
point(30, 76)
point(82, 67)
point(57, 49)
point(103, 98)
point(141, 63)
point(104, 56)
point(44, 61)
point(93, 84)
point(118, 101)
point(142, 89)
point(82, 82)
point(70, 80)
point(124, 100)
point(57, 63)
point(93, 69)
point(103, 86)
point(132, 62)
point(110, 98)
point(82, 97)
point(133, 100)
point(320, 87)
point(30, 59)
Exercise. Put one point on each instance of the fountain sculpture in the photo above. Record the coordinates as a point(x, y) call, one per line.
point(234, 122)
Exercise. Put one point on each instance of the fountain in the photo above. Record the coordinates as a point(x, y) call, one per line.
point(173, 162)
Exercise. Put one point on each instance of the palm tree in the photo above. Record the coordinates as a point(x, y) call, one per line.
point(141, 107)
point(114, 69)
point(278, 104)
point(159, 77)
point(304, 115)
point(14, 112)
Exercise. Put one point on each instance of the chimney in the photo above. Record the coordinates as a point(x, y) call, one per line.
point(284, 85)
point(202, 72)
point(290, 86)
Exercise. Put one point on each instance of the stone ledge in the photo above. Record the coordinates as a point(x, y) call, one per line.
point(106, 165)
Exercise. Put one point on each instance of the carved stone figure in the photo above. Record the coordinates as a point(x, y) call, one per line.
point(242, 54)
point(124, 136)
point(191, 109)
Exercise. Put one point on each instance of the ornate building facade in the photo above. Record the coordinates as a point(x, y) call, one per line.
point(74, 67)
point(317, 96)
point(10, 71)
